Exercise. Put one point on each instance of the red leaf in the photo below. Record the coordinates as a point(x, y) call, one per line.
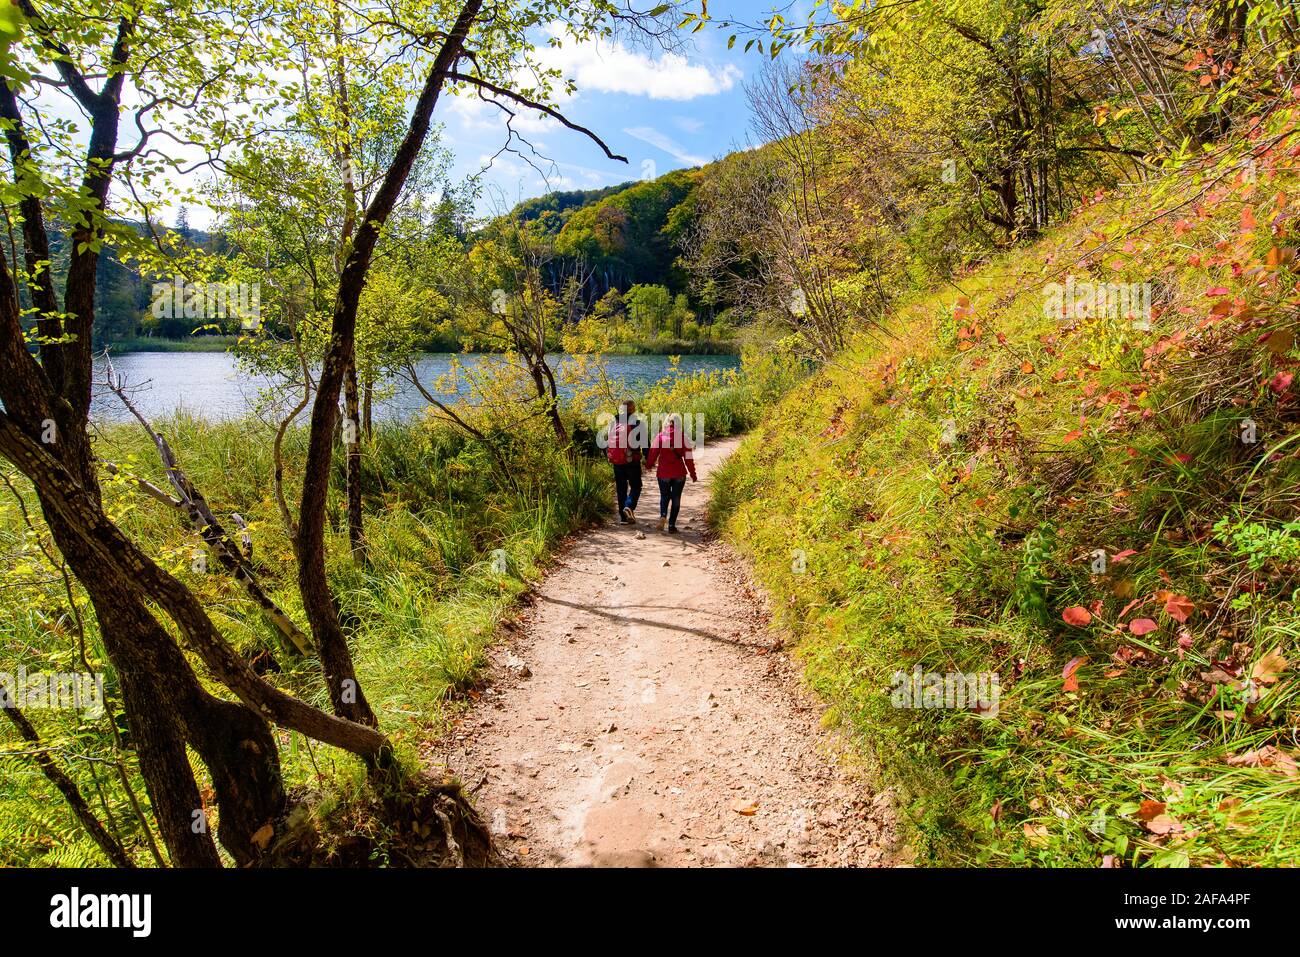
point(1077, 615)
point(1150, 810)
point(1177, 607)
point(1142, 626)
point(1281, 382)
point(1068, 673)
point(1129, 607)
point(1071, 436)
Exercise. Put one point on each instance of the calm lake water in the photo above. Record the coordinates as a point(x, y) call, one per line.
point(211, 386)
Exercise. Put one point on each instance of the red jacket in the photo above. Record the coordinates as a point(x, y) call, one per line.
point(670, 456)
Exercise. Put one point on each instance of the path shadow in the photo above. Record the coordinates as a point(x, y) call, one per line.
point(623, 620)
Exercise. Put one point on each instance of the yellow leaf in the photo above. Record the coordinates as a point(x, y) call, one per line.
point(1269, 667)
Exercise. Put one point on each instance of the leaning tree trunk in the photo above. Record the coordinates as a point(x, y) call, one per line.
point(166, 708)
point(352, 447)
point(318, 601)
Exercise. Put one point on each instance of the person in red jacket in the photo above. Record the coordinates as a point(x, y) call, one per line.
point(626, 440)
point(672, 459)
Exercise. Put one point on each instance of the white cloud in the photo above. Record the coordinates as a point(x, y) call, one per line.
point(648, 134)
point(603, 67)
point(688, 124)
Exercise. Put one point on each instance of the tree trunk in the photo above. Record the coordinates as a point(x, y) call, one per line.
point(167, 707)
point(352, 448)
point(318, 602)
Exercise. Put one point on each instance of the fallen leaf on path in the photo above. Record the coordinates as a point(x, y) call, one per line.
point(747, 808)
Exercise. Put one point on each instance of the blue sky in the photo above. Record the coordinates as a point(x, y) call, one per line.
point(662, 110)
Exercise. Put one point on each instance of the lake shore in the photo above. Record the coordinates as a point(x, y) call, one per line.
point(645, 347)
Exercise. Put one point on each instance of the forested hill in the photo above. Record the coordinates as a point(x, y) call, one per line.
point(622, 235)
point(550, 211)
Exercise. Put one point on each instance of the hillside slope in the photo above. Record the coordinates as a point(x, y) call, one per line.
point(1091, 501)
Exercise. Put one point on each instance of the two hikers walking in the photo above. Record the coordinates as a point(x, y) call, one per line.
point(668, 454)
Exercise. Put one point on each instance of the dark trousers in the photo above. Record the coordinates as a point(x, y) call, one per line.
point(670, 495)
point(627, 485)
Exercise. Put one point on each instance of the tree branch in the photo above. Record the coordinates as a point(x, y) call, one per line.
point(533, 104)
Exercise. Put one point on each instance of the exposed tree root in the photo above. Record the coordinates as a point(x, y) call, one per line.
point(425, 822)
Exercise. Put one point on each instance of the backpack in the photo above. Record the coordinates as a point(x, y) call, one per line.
point(616, 447)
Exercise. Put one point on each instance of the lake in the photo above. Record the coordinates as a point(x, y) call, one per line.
point(211, 386)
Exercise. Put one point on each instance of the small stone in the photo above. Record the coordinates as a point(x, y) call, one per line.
point(518, 666)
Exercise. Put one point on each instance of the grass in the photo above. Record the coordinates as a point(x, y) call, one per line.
point(731, 401)
point(937, 497)
point(677, 347)
point(204, 343)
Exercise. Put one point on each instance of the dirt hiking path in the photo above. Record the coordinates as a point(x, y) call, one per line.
point(638, 716)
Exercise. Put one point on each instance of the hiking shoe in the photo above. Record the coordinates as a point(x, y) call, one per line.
point(626, 516)
point(672, 529)
point(663, 520)
point(622, 520)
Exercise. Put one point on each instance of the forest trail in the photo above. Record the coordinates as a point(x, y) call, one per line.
point(639, 716)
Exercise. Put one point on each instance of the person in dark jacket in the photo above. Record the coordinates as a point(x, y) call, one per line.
point(627, 440)
point(672, 459)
